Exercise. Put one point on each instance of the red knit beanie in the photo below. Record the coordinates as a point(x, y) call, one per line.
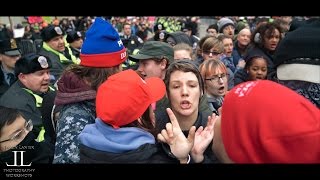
point(265, 122)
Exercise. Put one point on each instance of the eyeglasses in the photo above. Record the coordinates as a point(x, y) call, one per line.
point(216, 78)
point(213, 53)
point(27, 128)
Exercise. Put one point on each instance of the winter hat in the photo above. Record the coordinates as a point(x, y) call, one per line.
point(297, 56)
point(262, 127)
point(51, 32)
point(223, 22)
point(73, 36)
point(102, 46)
point(31, 63)
point(154, 49)
point(118, 107)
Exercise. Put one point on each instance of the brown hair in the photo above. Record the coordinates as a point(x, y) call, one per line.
point(96, 76)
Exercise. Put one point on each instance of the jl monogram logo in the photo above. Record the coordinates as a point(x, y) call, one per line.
point(16, 159)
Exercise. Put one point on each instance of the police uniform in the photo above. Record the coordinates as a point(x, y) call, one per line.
point(59, 60)
point(8, 47)
point(131, 42)
point(28, 102)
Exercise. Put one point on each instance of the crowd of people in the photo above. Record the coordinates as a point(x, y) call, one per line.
point(103, 90)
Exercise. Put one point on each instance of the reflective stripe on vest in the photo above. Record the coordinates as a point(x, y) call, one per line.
point(39, 100)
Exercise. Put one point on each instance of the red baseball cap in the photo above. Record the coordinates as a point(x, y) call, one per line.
point(265, 122)
point(125, 96)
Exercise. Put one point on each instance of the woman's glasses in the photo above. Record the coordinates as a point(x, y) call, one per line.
point(28, 127)
point(216, 78)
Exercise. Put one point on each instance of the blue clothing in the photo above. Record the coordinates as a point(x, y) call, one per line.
point(72, 120)
point(103, 137)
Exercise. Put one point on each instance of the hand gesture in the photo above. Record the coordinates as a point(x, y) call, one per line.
point(203, 138)
point(180, 145)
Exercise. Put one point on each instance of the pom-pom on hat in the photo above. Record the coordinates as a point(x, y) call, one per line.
point(102, 46)
point(262, 127)
point(118, 107)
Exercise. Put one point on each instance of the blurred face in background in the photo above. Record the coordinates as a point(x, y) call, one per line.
point(244, 37)
point(258, 69)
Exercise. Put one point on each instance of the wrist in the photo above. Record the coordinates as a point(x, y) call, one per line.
point(185, 160)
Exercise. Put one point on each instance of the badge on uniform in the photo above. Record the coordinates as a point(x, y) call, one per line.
point(79, 34)
point(43, 62)
point(58, 30)
point(132, 41)
point(140, 40)
point(161, 36)
point(13, 43)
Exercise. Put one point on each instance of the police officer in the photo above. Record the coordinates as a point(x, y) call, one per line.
point(55, 49)
point(74, 38)
point(133, 44)
point(130, 41)
point(28, 92)
point(9, 54)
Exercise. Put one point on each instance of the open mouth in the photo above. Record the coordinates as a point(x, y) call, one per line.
point(185, 104)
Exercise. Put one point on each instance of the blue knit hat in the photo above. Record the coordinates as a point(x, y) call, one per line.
point(102, 46)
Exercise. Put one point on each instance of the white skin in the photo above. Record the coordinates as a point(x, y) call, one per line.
point(228, 31)
point(227, 46)
point(211, 55)
point(37, 81)
point(8, 131)
point(8, 62)
point(127, 30)
point(149, 68)
point(57, 43)
point(212, 32)
point(180, 146)
point(216, 89)
point(182, 54)
point(184, 97)
point(244, 38)
point(273, 42)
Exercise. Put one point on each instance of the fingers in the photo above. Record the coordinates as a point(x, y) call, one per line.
point(199, 130)
point(191, 134)
point(169, 130)
point(173, 118)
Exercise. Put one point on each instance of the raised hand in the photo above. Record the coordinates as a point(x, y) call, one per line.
point(203, 137)
point(180, 145)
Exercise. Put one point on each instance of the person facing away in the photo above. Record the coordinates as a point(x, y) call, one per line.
point(185, 88)
point(124, 131)
point(101, 57)
point(287, 132)
point(297, 61)
point(16, 135)
point(29, 91)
